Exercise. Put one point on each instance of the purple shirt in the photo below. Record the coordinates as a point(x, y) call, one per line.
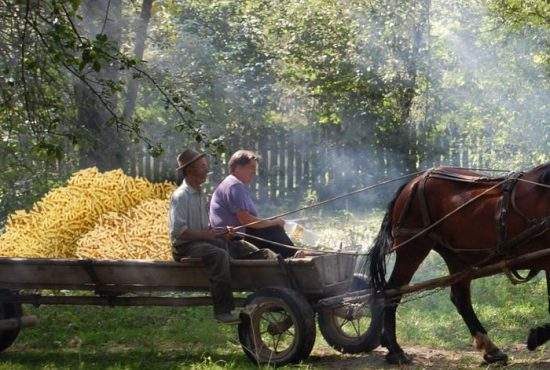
point(230, 196)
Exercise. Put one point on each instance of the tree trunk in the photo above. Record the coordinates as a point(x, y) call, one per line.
point(139, 49)
point(409, 152)
point(105, 144)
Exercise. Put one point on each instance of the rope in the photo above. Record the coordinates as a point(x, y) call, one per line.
point(318, 204)
point(330, 199)
point(239, 233)
point(535, 183)
point(479, 169)
point(417, 235)
point(423, 231)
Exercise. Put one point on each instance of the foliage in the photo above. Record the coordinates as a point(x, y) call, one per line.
point(400, 85)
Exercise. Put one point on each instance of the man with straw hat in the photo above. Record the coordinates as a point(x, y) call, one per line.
point(191, 236)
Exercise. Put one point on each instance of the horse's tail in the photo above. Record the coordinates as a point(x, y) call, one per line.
point(374, 265)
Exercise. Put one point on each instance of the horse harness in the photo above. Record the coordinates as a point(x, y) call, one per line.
point(505, 247)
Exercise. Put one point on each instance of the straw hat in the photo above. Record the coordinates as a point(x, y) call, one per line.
point(187, 157)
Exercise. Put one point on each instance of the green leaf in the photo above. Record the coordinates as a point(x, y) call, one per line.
point(75, 4)
point(96, 66)
point(101, 37)
point(47, 151)
point(156, 150)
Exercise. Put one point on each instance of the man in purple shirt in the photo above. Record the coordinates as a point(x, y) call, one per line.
point(232, 205)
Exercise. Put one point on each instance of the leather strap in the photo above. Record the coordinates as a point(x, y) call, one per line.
point(515, 278)
point(504, 210)
point(424, 210)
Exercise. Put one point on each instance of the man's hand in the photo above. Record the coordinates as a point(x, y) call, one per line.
point(278, 222)
point(230, 233)
point(213, 233)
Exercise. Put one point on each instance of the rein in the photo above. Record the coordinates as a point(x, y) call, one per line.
point(318, 204)
point(433, 225)
point(239, 233)
point(536, 229)
point(345, 195)
point(505, 246)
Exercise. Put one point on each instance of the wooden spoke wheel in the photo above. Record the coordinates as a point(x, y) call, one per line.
point(8, 310)
point(353, 328)
point(277, 327)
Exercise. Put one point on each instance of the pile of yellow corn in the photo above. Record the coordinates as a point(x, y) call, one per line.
point(140, 233)
point(53, 226)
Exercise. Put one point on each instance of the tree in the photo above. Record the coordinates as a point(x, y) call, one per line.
point(103, 145)
point(139, 48)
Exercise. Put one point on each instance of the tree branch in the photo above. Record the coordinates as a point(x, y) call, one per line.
point(106, 16)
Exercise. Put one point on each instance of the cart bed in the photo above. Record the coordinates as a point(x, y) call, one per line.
point(318, 276)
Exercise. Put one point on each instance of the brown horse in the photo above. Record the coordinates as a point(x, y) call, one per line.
point(484, 231)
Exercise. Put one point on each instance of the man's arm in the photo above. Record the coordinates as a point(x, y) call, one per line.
point(242, 205)
point(246, 218)
point(192, 235)
point(179, 229)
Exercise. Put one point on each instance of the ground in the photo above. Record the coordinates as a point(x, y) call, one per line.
point(425, 357)
point(323, 357)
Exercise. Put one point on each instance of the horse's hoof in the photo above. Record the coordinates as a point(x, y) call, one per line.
point(533, 339)
point(538, 336)
point(496, 356)
point(398, 358)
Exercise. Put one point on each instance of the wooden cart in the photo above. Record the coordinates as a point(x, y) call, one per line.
point(278, 317)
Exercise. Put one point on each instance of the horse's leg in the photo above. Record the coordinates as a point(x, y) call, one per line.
point(405, 266)
point(461, 298)
point(540, 334)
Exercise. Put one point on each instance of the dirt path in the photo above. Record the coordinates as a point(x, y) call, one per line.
point(519, 358)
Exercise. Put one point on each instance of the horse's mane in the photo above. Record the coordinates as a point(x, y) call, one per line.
point(544, 177)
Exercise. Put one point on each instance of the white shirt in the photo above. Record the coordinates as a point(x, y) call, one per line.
point(188, 210)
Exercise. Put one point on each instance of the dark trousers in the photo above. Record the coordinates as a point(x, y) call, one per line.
point(276, 234)
point(216, 255)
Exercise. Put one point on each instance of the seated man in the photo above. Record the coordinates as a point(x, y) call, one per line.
point(232, 205)
point(190, 235)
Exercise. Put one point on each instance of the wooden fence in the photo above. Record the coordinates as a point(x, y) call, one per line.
point(297, 166)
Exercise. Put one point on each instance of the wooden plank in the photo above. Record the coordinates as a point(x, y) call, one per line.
point(340, 267)
point(272, 172)
point(20, 262)
point(334, 270)
point(146, 172)
point(282, 169)
point(299, 162)
point(16, 323)
point(115, 301)
point(362, 296)
point(290, 168)
point(263, 171)
point(330, 270)
point(135, 276)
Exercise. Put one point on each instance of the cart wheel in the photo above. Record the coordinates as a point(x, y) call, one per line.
point(353, 328)
point(277, 327)
point(8, 310)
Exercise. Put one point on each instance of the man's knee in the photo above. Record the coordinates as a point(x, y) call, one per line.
point(267, 254)
point(217, 256)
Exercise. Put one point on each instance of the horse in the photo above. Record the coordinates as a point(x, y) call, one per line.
point(471, 221)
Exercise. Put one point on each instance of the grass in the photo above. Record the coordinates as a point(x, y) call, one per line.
point(172, 338)
point(120, 338)
point(507, 311)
